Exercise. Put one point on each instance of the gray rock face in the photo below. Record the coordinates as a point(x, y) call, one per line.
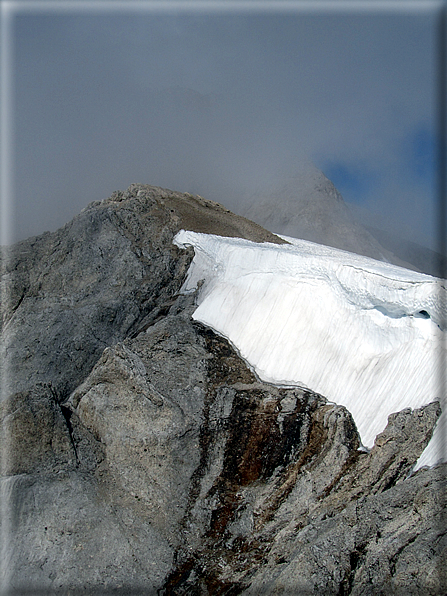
point(72, 293)
point(157, 463)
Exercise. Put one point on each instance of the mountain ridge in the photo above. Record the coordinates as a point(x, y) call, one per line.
point(144, 457)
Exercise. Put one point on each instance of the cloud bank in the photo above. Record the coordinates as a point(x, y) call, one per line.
point(218, 104)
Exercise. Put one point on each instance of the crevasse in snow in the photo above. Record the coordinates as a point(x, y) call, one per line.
point(363, 333)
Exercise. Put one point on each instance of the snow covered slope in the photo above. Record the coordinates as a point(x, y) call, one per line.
point(363, 333)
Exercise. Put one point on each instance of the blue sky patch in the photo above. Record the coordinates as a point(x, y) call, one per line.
point(355, 182)
point(420, 155)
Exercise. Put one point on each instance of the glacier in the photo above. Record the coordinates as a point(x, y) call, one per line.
point(366, 334)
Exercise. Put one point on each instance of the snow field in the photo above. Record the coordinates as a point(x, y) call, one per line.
point(363, 333)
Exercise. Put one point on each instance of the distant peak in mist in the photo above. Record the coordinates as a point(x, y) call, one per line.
point(306, 204)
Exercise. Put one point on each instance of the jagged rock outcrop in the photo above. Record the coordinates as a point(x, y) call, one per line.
point(141, 455)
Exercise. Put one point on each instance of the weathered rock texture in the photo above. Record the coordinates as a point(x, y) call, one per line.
point(142, 456)
point(72, 293)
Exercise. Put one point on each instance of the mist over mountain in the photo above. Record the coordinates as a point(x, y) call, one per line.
point(143, 455)
point(421, 257)
point(307, 205)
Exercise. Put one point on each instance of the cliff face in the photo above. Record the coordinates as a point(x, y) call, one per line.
point(140, 454)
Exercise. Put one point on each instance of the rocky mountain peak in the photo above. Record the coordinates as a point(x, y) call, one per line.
point(141, 455)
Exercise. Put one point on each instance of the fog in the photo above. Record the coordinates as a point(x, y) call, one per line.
point(219, 103)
